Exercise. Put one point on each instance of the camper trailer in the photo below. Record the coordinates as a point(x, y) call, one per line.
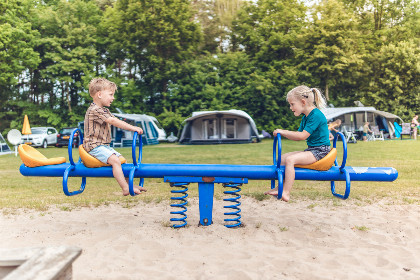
point(219, 127)
point(152, 130)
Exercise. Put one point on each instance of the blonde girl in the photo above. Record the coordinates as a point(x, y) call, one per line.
point(313, 128)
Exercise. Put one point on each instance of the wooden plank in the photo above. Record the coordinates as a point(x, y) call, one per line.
point(49, 263)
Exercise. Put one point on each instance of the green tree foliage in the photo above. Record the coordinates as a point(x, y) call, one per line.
point(396, 86)
point(229, 81)
point(331, 49)
point(172, 57)
point(68, 50)
point(215, 18)
point(17, 55)
point(154, 36)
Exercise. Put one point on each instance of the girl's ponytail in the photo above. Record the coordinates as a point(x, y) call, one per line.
point(320, 101)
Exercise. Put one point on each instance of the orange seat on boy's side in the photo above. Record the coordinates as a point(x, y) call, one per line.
point(323, 164)
point(31, 157)
point(92, 162)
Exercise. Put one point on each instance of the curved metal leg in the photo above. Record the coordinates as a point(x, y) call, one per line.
point(280, 187)
point(131, 181)
point(347, 192)
point(65, 180)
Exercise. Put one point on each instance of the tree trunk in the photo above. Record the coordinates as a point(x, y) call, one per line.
point(327, 97)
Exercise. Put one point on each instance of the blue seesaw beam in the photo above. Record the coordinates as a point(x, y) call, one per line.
point(231, 176)
point(252, 172)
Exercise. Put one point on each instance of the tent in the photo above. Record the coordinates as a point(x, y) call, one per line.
point(4, 148)
point(219, 127)
point(353, 118)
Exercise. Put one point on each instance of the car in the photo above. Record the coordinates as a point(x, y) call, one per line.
point(40, 137)
point(63, 137)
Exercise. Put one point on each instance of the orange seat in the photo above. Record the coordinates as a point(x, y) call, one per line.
point(323, 164)
point(92, 162)
point(31, 157)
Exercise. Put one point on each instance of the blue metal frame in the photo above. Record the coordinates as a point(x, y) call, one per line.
point(342, 168)
point(206, 175)
point(136, 164)
point(277, 164)
point(205, 194)
point(72, 166)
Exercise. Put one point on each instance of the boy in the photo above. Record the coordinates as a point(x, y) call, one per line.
point(98, 121)
point(366, 129)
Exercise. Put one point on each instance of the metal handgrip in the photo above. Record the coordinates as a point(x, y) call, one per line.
point(343, 163)
point(70, 147)
point(277, 156)
point(133, 149)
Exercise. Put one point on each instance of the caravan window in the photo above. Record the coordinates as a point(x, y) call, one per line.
point(157, 124)
point(152, 131)
point(210, 129)
point(229, 128)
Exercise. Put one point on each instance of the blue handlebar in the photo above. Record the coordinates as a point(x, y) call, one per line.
point(133, 149)
point(70, 147)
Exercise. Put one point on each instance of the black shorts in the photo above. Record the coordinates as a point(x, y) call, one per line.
point(319, 152)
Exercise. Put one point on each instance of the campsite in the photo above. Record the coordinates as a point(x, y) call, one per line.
point(209, 139)
point(315, 227)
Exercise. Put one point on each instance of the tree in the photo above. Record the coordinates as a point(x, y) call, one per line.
point(17, 56)
point(332, 50)
point(67, 45)
point(395, 87)
point(155, 37)
point(215, 18)
point(267, 31)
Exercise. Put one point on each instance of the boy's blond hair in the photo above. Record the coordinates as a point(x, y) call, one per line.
point(98, 84)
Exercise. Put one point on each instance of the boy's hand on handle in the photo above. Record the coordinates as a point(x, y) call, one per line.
point(275, 132)
point(139, 130)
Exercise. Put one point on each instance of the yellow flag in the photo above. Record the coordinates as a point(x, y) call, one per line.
point(26, 127)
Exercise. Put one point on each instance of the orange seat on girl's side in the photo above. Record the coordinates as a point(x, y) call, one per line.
point(323, 164)
point(31, 157)
point(92, 162)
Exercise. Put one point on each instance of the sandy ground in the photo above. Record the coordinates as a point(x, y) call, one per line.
point(298, 240)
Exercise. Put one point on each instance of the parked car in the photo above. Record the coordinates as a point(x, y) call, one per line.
point(63, 137)
point(41, 137)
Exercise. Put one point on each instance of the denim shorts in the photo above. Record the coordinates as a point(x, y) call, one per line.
point(103, 152)
point(319, 152)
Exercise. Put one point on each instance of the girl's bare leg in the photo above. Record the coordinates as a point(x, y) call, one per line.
point(291, 160)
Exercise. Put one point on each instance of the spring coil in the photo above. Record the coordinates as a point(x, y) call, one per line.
point(233, 222)
point(182, 204)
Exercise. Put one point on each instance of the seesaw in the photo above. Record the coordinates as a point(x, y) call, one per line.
point(206, 175)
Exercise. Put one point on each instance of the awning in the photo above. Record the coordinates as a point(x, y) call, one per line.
point(331, 113)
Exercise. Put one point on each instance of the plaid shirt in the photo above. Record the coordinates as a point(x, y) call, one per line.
point(97, 130)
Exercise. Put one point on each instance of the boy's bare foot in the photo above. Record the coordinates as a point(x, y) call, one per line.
point(137, 190)
point(275, 192)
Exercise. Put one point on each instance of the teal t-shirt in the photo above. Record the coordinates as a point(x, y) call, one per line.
point(316, 125)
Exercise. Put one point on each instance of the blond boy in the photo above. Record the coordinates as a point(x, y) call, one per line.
point(98, 121)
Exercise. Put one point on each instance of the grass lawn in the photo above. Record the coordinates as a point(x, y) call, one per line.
point(17, 191)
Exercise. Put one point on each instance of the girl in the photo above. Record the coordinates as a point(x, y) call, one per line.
point(332, 126)
point(313, 128)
